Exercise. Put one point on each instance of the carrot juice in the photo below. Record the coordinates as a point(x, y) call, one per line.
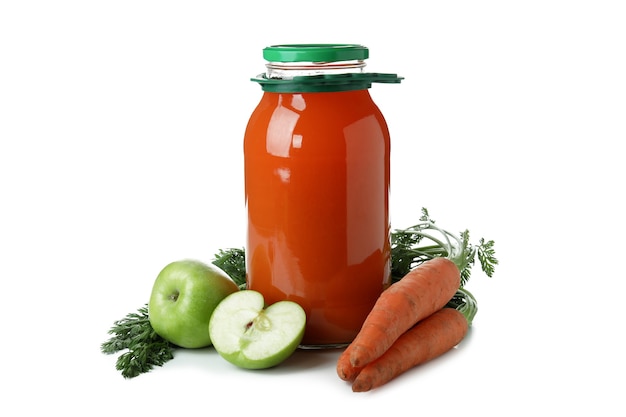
point(317, 194)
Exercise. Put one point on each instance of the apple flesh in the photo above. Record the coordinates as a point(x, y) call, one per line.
point(184, 296)
point(250, 335)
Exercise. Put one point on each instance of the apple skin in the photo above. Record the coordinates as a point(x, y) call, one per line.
point(252, 336)
point(183, 298)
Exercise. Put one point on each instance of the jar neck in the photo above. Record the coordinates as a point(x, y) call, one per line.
point(288, 70)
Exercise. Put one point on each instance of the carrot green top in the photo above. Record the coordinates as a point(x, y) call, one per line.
point(415, 245)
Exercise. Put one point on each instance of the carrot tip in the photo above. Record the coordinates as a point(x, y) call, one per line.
point(348, 373)
point(342, 375)
point(356, 387)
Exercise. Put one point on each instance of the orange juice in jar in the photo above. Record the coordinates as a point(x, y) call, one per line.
point(316, 152)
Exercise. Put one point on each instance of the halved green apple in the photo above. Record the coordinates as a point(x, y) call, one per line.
point(250, 335)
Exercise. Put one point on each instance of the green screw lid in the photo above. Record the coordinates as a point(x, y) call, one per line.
point(320, 52)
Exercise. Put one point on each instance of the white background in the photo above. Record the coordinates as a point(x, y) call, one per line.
point(121, 126)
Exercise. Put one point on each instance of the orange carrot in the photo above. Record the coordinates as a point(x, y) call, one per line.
point(428, 339)
point(345, 370)
point(423, 291)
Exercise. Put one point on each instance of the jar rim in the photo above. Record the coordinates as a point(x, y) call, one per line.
point(315, 52)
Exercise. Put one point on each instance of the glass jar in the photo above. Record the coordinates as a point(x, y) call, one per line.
point(316, 160)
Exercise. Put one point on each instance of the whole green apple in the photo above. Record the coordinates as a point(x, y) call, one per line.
point(251, 335)
point(183, 298)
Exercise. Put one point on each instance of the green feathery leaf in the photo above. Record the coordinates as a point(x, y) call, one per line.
point(233, 262)
point(144, 348)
